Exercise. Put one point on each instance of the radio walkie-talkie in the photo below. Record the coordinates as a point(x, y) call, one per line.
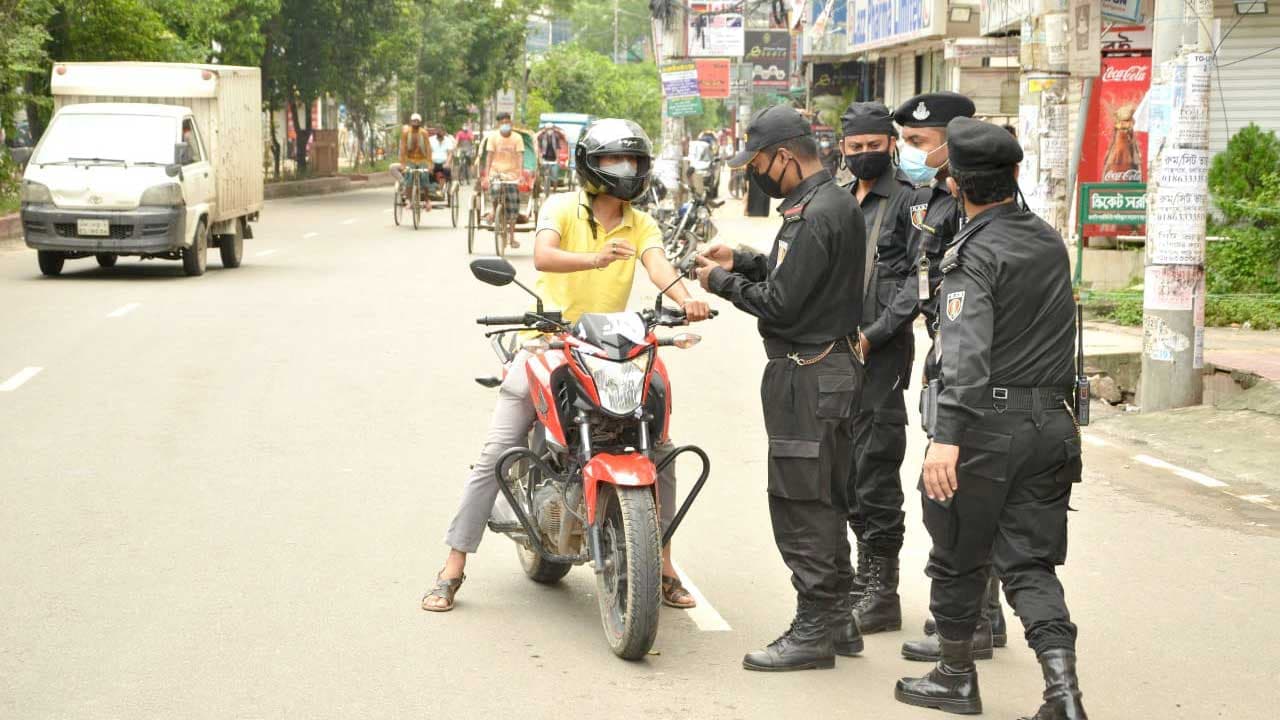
point(1082, 379)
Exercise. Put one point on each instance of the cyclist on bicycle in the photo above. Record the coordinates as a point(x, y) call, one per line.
point(466, 151)
point(589, 245)
point(502, 171)
point(442, 148)
point(414, 152)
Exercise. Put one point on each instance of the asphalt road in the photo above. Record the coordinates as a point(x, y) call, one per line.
point(223, 497)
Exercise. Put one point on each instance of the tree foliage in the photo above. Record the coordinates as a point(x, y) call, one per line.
point(571, 78)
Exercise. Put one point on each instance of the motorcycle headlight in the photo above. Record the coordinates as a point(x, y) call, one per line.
point(167, 195)
point(34, 192)
point(620, 384)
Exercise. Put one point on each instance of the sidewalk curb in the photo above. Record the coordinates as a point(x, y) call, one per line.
point(10, 231)
point(326, 186)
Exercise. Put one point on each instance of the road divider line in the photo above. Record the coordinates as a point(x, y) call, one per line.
point(1191, 475)
point(264, 253)
point(124, 310)
point(21, 377)
point(309, 235)
point(704, 615)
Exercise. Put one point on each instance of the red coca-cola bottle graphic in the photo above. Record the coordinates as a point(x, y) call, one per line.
point(1123, 161)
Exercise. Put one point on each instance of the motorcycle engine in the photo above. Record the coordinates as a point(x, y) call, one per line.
point(549, 510)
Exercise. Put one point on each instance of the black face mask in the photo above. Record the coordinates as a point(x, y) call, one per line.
point(867, 165)
point(768, 185)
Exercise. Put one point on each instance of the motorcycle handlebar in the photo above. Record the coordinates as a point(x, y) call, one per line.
point(502, 320)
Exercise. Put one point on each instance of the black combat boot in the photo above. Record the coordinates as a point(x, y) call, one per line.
point(929, 649)
point(1061, 687)
point(951, 686)
point(805, 646)
point(860, 566)
point(846, 639)
point(994, 612)
point(880, 608)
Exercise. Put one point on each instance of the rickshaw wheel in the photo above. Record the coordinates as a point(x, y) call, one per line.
point(473, 219)
point(499, 229)
point(416, 202)
point(454, 208)
point(397, 209)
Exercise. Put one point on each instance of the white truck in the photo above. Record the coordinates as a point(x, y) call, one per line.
point(157, 160)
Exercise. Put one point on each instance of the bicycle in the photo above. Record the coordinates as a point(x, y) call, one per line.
point(504, 217)
point(416, 177)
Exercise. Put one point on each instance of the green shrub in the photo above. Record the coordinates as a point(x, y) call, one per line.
point(1261, 312)
point(1243, 173)
point(1247, 263)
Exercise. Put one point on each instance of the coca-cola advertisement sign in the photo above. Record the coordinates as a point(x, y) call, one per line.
point(1115, 152)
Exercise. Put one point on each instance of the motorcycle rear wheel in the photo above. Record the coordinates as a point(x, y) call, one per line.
point(629, 589)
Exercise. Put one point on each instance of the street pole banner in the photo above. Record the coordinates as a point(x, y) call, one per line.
point(769, 54)
point(1115, 147)
point(713, 78)
point(715, 29)
point(680, 87)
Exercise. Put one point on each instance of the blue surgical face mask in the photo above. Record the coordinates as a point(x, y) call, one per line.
point(913, 163)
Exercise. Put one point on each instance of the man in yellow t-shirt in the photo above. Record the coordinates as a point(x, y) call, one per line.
point(586, 249)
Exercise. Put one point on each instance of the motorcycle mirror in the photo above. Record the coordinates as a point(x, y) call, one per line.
point(494, 271)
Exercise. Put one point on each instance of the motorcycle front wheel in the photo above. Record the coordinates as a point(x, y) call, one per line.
point(629, 589)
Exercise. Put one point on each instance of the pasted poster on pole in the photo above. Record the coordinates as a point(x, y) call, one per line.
point(680, 87)
point(1122, 10)
point(1173, 287)
point(713, 78)
point(715, 29)
point(769, 54)
point(1177, 212)
point(1084, 44)
point(1114, 148)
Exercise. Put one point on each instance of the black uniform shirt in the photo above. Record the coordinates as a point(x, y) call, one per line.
point(808, 290)
point(934, 218)
point(887, 203)
point(1007, 314)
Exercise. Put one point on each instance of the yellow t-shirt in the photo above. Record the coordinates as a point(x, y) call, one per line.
point(592, 291)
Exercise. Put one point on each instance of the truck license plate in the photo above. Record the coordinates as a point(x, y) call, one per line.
point(98, 228)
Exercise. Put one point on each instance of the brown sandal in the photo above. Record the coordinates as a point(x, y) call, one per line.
point(444, 589)
point(675, 595)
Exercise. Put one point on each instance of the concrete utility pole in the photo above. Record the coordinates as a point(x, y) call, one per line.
point(1177, 203)
point(615, 32)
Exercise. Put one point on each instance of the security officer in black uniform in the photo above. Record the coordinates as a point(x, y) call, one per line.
point(1005, 448)
point(868, 145)
point(807, 294)
point(935, 215)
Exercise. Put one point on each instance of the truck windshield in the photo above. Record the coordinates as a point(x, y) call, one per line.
point(113, 138)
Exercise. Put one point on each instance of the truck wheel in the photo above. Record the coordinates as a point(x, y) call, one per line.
point(107, 260)
point(51, 262)
point(231, 247)
point(194, 258)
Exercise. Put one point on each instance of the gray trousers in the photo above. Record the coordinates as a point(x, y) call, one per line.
point(513, 419)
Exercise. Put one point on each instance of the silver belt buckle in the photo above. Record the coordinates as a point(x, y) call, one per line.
point(1000, 398)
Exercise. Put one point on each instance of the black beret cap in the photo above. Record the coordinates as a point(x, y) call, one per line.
point(977, 145)
point(867, 118)
point(933, 109)
point(768, 127)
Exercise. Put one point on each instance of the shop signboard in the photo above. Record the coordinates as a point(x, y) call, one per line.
point(715, 29)
point(834, 78)
point(768, 52)
point(1122, 10)
point(1113, 204)
point(876, 24)
point(1000, 15)
point(713, 78)
point(827, 31)
point(1115, 150)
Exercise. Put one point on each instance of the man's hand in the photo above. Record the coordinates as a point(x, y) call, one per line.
point(696, 310)
point(484, 183)
point(720, 254)
point(612, 252)
point(940, 471)
point(703, 271)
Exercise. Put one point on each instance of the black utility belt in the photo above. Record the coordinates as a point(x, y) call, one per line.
point(784, 350)
point(1025, 399)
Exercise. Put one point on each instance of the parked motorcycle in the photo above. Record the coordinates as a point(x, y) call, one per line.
point(586, 489)
point(692, 225)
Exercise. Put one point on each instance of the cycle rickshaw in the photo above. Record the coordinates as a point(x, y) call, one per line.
point(553, 175)
point(502, 226)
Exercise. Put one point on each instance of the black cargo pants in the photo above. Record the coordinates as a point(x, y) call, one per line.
point(880, 444)
point(1010, 511)
point(808, 413)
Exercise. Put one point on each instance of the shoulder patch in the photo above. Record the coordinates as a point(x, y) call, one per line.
point(955, 304)
point(918, 213)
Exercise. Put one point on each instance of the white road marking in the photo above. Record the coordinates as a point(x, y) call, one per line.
point(17, 380)
point(265, 253)
point(349, 221)
point(704, 616)
point(1191, 475)
point(124, 310)
point(309, 235)
point(1094, 440)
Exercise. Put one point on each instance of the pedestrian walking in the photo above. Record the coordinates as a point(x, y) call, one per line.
point(868, 146)
point(807, 295)
point(1005, 449)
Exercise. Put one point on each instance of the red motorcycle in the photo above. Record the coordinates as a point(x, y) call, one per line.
point(586, 490)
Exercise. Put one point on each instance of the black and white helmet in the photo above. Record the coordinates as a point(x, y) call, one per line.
point(613, 136)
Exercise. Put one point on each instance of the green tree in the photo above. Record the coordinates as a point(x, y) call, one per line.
point(22, 53)
point(570, 78)
point(1239, 175)
point(593, 25)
